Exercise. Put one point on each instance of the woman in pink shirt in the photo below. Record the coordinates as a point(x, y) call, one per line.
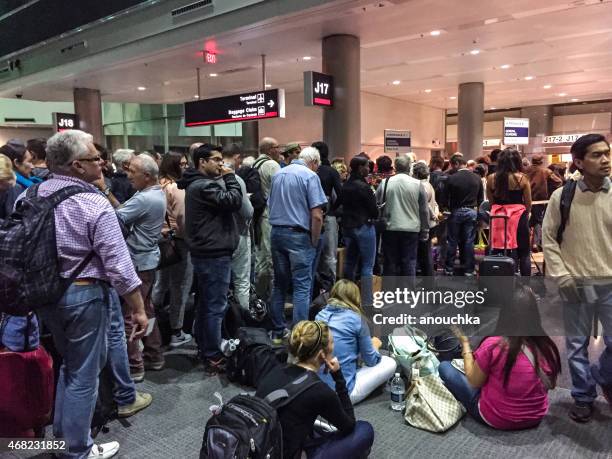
point(507, 378)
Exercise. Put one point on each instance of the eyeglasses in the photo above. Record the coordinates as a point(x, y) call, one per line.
point(183, 164)
point(95, 159)
point(216, 159)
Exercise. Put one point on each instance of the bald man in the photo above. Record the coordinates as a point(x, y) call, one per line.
point(267, 164)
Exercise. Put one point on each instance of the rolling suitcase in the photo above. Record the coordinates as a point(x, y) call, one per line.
point(496, 272)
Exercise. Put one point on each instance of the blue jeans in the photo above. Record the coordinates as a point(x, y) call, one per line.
point(458, 385)
point(213, 276)
point(399, 253)
point(124, 390)
point(462, 233)
point(361, 245)
point(293, 259)
point(357, 444)
point(79, 325)
point(578, 320)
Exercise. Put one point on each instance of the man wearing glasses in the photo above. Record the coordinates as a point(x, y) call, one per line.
point(212, 195)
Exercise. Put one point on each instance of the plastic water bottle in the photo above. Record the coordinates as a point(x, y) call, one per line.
point(398, 392)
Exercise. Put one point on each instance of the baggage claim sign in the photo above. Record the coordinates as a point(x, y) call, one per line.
point(250, 106)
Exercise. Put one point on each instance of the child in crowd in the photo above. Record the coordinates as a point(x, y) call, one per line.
point(344, 316)
point(507, 377)
point(312, 345)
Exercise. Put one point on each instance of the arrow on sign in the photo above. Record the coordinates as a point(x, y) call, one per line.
point(271, 104)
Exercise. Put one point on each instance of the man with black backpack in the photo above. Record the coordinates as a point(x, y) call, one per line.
point(73, 259)
point(577, 245)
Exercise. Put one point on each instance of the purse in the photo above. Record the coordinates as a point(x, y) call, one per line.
point(430, 405)
point(168, 251)
point(381, 222)
point(445, 345)
point(408, 346)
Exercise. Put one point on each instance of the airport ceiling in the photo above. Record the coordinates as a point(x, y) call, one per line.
point(527, 52)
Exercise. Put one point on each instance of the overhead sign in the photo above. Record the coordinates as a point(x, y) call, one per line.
point(232, 109)
point(516, 131)
point(318, 89)
point(210, 57)
point(65, 121)
point(397, 141)
point(567, 138)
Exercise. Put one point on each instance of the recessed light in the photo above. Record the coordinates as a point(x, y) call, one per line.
point(141, 88)
point(452, 97)
point(212, 75)
point(268, 85)
point(575, 100)
point(474, 52)
point(428, 90)
point(562, 94)
point(307, 58)
point(529, 77)
point(492, 108)
point(396, 82)
point(505, 66)
point(547, 86)
point(435, 33)
point(196, 97)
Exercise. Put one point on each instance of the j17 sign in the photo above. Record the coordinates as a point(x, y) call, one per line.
point(318, 89)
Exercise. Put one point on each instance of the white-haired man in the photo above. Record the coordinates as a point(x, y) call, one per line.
point(85, 226)
point(296, 216)
point(144, 215)
point(121, 187)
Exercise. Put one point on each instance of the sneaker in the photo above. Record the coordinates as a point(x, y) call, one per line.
point(179, 340)
point(142, 401)
point(103, 450)
point(606, 389)
point(278, 339)
point(137, 376)
point(154, 366)
point(581, 412)
point(216, 366)
point(448, 272)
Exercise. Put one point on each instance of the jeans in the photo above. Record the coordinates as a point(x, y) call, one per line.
point(293, 256)
point(177, 279)
point(399, 253)
point(360, 243)
point(79, 325)
point(327, 266)
point(124, 390)
point(424, 257)
point(213, 276)
point(461, 232)
point(263, 260)
point(357, 444)
point(151, 350)
point(458, 385)
point(241, 271)
point(578, 324)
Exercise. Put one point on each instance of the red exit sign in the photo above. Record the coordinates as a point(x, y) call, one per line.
point(210, 58)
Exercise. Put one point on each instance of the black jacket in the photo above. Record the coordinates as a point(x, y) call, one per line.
point(121, 187)
point(358, 203)
point(210, 202)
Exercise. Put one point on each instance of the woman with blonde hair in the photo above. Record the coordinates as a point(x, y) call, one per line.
point(7, 183)
point(353, 342)
point(312, 345)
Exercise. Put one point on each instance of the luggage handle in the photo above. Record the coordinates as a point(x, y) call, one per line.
point(505, 218)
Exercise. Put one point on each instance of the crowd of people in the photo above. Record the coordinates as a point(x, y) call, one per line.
point(271, 226)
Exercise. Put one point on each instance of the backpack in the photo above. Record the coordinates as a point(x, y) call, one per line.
point(29, 267)
point(565, 205)
point(254, 357)
point(248, 427)
point(251, 178)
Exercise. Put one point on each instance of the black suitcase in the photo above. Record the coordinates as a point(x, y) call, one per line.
point(496, 273)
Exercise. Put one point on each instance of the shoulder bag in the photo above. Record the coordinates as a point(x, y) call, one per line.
point(168, 251)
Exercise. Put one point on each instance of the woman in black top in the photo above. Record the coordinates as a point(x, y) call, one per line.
point(510, 186)
point(358, 211)
point(312, 344)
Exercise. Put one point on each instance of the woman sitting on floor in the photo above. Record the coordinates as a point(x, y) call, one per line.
point(345, 318)
point(507, 378)
point(312, 345)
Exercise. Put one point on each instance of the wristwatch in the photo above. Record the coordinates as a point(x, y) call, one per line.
point(106, 192)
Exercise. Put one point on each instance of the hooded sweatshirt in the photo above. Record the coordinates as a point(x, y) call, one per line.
point(210, 202)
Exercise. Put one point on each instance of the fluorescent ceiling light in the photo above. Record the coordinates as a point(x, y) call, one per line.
point(435, 33)
point(452, 97)
point(268, 85)
point(307, 58)
point(492, 108)
point(562, 94)
point(196, 97)
point(547, 86)
point(474, 52)
point(575, 100)
point(141, 88)
point(212, 74)
point(396, 82)
point(505, 66)
point(529, 77)
point(428, 90)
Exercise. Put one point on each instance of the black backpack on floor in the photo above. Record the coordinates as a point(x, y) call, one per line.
point(248, 427)
point(254, 357)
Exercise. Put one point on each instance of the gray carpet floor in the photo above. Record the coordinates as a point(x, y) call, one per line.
point(172, 427)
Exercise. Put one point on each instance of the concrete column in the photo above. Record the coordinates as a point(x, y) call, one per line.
point(88, 106)
point(470, 119)
point(342, 122)
point(250, 137)
point(540, 120)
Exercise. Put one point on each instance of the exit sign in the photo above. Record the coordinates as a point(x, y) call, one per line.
point(210, 57)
